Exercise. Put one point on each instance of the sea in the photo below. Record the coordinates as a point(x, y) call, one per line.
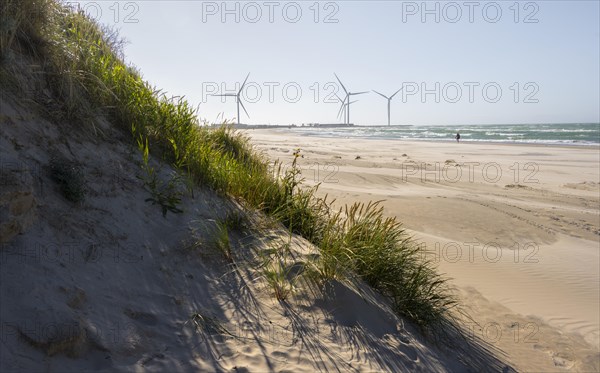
point(574, 134)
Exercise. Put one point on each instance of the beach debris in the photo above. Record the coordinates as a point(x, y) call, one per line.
point(358, 157)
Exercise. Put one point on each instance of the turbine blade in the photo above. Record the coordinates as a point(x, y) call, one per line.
point(359, 93)
point(244, 83)
point(342, 108)
point(342, 84)
point(341, 113)
point(351, 102)
point(242, 104)
point(392, 96)
point(381, 94)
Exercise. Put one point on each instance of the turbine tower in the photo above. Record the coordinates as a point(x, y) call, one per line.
point(389, 100)
point(237, 98)
point(347, 98)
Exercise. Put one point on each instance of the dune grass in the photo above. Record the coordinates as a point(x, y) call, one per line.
point(84, 67)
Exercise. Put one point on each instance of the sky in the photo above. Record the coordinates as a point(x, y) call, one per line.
point(463, 62)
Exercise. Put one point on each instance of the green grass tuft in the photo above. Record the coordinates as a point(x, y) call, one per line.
point(222, 242)
point(279, 270)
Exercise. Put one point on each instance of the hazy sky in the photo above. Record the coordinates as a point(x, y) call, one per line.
point(464, 62)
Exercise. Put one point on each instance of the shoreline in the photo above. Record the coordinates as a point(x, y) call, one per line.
point(444, 141)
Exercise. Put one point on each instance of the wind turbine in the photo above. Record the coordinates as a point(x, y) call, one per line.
point(237, 97)
point(347, 98)
point(389, 100)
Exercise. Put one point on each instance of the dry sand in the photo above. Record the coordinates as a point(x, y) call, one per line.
point(517, 227)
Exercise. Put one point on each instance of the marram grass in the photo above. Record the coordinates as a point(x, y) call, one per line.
point(83, 65)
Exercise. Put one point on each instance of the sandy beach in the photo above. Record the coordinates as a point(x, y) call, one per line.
point(517, 228)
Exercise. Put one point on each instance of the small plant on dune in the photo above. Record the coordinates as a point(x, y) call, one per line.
point(326, 266)
point(209, 325)
point(276, 276)
point(292, 179)
point(235, 220)
point(298, 208)
point(167, 195)
point(280, 271)
point(222, 242)
point(69, 176)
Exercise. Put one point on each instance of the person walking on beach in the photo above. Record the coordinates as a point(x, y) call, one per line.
point(457, 137)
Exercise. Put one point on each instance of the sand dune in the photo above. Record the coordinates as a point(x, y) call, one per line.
point(108, 284)
point(517, 228)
